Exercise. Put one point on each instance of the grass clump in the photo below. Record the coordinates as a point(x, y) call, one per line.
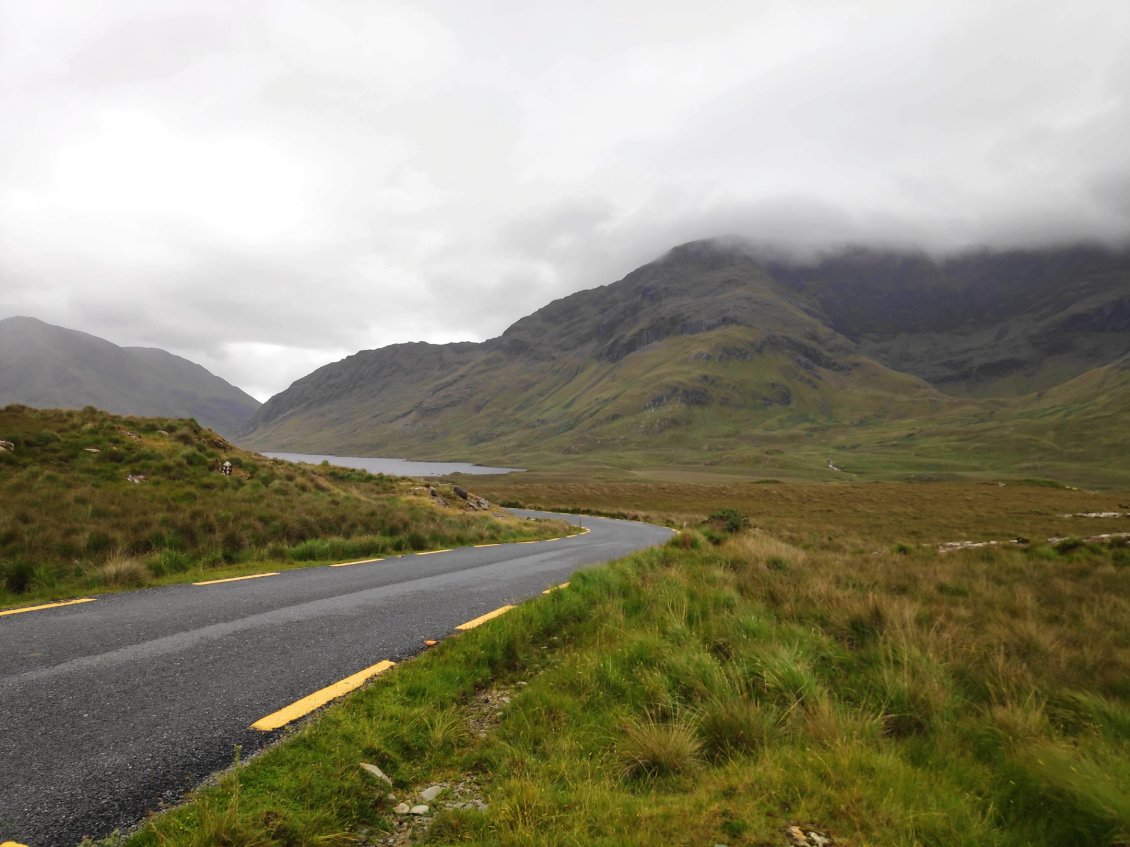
point(120, 571)
point(652, 749)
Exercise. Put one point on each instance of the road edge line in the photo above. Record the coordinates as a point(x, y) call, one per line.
point(46, 606)
point(306, 705)
point(236, 578)
point(358, 562)
point(482, 619)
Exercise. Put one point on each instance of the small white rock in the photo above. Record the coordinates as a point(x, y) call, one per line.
point(428, 795)
point(402, 809)
point(376, 773)
point(419, 810)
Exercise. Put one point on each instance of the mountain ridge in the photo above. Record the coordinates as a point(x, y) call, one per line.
point(716, 347)
point(48, 366)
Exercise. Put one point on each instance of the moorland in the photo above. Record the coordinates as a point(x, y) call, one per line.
point(801, 665)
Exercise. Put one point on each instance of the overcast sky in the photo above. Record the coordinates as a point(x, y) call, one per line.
point(265, 187)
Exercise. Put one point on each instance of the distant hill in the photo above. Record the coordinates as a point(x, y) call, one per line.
point(48, 367)
point(717, 353)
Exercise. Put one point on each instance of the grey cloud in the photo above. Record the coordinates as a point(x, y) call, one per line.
point(266, 187)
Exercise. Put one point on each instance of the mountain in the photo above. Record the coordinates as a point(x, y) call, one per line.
point(983, 323)
point(48, 366)
point(718, 352)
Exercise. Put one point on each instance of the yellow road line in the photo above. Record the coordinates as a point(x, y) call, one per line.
point(556, 588)
point(463, 627)
point(36, 609)
point(319, 698)
point(11, 844)
point(360, 562)
point(236, 578)
point(479, 546)
point(430, 552)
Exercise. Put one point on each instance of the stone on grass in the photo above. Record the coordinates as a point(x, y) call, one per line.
point(428, 795)
point(376, 773)
point(419, 810)
point(402, 809)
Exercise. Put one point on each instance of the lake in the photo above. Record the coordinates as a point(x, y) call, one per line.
point(393, 467)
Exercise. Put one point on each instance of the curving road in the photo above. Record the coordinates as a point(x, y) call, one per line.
point(113, 707)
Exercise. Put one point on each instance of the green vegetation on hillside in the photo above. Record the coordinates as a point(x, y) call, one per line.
point(93, 501)
point(891, 365)
point(733, 684)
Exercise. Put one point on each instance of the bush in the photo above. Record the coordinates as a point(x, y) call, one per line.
point(728, 520)
point(16, 577)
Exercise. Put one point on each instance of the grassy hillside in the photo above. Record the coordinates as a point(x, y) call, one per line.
point(721, 388)
point(51, 367)
point(94, 501)
point(735, 684)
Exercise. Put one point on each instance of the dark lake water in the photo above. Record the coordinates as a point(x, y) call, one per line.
point(395, 467)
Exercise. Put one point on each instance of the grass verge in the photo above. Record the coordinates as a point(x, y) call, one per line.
point(723, 688)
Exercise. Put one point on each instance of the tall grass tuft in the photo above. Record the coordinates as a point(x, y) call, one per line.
point(652, 749)
point(734, 724)
point(120, 571)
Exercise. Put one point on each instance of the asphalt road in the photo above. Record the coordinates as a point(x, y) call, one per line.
point(110, 708)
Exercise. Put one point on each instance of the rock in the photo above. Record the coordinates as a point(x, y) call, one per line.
point(429, 794)
point(419, 810)
point(402, 809)
point(91, 450)
point(376, 773)
point(461, 493)
point(796, 836)
point(136, 478)
point(7, 445)
point(818, 840)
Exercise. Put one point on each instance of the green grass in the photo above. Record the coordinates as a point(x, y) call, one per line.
point(73, 522)
point(726, 686)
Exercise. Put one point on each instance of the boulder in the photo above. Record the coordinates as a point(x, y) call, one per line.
point(8, 446)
